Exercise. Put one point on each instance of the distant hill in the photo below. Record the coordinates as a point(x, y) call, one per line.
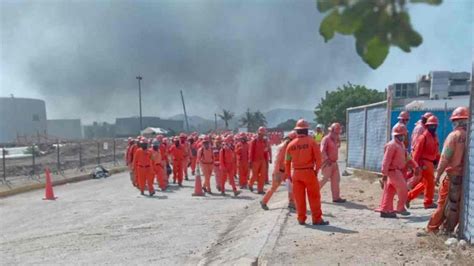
point(274, 117)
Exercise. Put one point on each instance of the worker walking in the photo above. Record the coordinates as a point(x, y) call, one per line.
point(426, 154)
point(227, 165)
point(304, 157)
point(319, 134)
point(206, 161)
point(258, 160)
point(158, 165)
point(142, 163)
point(403, 119)
point(394, 165)
point(193, 154)
point(330, 169)
point(242, 155)
point(451, 162)
point(216, 149)
point(178, 155)
point(420, 127)
point(279, 174)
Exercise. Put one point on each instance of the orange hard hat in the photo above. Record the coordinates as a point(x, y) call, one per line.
point(175, 139)
point(302, 124)
point(399, 129)
point(229, 139)
point(432, 120)
point(182, 135)
point(218, 139)
point(262, 130)
point(336, 128)
point(206, 139)
point(427, 115)
point(292, 135)
point(460, 113)
point(404, 115)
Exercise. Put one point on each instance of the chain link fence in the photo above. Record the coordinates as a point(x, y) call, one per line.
point(62, 158)
point(467, 217)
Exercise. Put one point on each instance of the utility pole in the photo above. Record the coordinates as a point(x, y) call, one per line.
point(215, 120)
point(184, 109)
point(140, 101)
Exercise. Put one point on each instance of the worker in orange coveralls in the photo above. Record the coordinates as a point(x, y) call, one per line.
point(452, 161)
point(193, 154)
point(164, 156)
point(133, 145)
point(279, 174)
point(215, 154)
point(187, 154)
point(142, 164)
point(178, 155)
point(403, 119)
point(227, 164)
point(394, 167)
point(158, 165)
point(206, 161)
point(420, 127)
point(330, 169)
point(426, 154)
point(242, 154)
point(303, 156)
point(258, 160)
point(268, 162)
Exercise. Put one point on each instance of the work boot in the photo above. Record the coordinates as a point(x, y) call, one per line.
point(291, 206)
point(404, 213)
point(236, 193)
point(431, 206)
point(152, 193)
point(186, 178)
point(339, 200)
point(223, 193)
point(322, 222)
point(142, 193)
point(204, 189)
point(388, 215)
point(301, 222)
point(407, 204)
point(251, 188)
point(193, 173)
point(261, 193)
point(264, 206)
point(180, 185)
point(174, 181)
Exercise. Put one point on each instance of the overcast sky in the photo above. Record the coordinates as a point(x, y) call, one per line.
point(82, 57)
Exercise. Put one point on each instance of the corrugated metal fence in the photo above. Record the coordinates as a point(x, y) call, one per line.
point(367, 135)
point(467, 222)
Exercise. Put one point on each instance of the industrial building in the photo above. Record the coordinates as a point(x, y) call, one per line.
point(70, 129)
point(22, 119)
point(436, 85)
point(130, 126)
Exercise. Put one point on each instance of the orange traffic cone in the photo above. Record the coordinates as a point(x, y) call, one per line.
point(198, 185)
point(48, 192)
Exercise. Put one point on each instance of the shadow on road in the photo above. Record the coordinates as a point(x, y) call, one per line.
point(331, 229)
point(416, 219)
point(349, 205)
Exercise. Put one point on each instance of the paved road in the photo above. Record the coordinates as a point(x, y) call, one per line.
point(107, 221)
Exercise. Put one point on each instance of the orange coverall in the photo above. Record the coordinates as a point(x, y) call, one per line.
point(177, 153)
point(165, 160)
point(452, 161)
point(158, 168)
point(330, 169)
point(187, 158)
point(130, 155)
point(142, 164)
point(278, 175)
point(206, 162)
point(425, 153)
point(242, 154)
point(258, 158)
point(193, 152)
point(217, 170)
point(303, 155)
point(227, 165)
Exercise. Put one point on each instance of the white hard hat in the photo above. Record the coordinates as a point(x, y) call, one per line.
point(320, 126)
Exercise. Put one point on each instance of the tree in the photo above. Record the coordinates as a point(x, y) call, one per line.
point(376, 25)
point(333, 107)
point(226, 116)
point(253, 120)
point(287, 125)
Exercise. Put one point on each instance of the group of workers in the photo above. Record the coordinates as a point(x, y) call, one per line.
point(409, 166)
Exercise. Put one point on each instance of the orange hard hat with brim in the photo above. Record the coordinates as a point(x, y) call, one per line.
point(460, 113)
point(433, 120)
point(399, 129)
point(301, 124)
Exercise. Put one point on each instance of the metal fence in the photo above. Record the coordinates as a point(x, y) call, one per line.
point(367, 133)
point(467, 218)
point(61, 157)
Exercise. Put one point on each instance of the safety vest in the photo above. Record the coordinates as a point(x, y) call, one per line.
point(318, 137)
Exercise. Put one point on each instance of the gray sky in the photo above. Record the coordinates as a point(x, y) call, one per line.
point(82, 57)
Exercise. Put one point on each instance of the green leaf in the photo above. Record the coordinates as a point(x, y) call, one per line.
point(329, 24)
point(325, 5)
point(430, 2)
point(375, 53)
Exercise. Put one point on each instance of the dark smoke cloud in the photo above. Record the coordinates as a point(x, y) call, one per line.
point(83, 56)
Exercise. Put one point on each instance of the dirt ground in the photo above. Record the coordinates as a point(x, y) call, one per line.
point(106, 221)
